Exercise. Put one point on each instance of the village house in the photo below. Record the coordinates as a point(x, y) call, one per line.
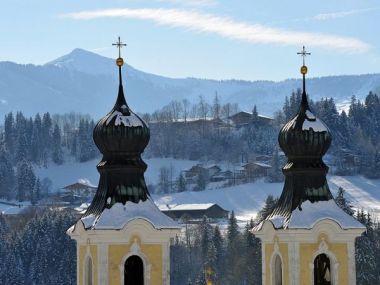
point(195, 211)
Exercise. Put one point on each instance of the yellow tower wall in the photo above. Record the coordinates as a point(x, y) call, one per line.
point(92, 250)
point(283, 250)
point(307, 252)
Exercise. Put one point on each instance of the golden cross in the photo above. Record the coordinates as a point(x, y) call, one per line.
point(119, 44)
point(304, 53)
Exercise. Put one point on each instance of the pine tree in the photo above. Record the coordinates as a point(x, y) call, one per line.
point(9, 132)
point(219, 261)
point(343, 203)
point(255, 114)
point(7, 176)
point(57, 154)
point(234, 258)
point(181, 183)
point(269, 205)
point(25, 180)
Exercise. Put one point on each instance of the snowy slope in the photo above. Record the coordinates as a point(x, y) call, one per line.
point(71, 172)
point(86, 82)
point(244, 199)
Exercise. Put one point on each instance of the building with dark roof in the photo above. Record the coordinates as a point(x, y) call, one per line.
point(307, 238)
point(123, 238)
point(195, 211)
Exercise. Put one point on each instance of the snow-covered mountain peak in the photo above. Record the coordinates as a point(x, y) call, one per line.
point(84, 61)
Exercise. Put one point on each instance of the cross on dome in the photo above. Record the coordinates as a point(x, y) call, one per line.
point(119, 45)
point(303, 53)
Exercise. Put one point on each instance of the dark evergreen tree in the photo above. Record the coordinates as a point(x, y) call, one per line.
point(343, 203)
point(269, 205)
point(7, 176)
point(181, 183)
point(9, 132)
point(25, 180)
point(57, 154)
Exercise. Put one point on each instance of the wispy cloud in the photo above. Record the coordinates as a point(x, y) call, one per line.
point(228, 28)
point(342, 14)
point(194, 3)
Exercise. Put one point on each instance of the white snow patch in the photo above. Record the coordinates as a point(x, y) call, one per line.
point(128, 121)
point(118, 216)
point(245, 199)
point(191, 207)
point(13, 207)
point(315, 124)
point(312, 213)
point(88, 221)
point(86, 182)
point(310, 115)
point(277, 221)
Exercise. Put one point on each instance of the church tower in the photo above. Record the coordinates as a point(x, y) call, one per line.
point(307, 239)
point(123, 238)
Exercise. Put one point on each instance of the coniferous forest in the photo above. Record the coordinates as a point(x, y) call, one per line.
point(35, 247)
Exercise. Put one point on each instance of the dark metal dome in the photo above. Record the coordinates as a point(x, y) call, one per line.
point(121, 133)
point(305, 136)
point(121, 137)
point(304, 140)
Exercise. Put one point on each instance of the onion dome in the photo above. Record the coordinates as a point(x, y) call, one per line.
point(304, 140)
point(305, 137)
point(121, 137)
point(121, 133)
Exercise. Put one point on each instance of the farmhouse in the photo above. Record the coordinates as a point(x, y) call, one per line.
point(195, 211)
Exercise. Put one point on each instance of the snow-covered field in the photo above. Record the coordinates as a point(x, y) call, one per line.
point(71, 172)
point(244, 199)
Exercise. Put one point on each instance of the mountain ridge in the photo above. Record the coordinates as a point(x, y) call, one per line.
point(86, 82)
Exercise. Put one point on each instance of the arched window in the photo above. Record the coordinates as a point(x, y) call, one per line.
point(277, 270)
point(322, 270)
point(88, 271)
point(134, 271)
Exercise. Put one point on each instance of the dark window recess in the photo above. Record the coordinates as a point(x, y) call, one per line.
point(322, 272)
point(133, 271)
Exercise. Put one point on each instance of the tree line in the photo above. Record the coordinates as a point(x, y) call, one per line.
point(40, 141)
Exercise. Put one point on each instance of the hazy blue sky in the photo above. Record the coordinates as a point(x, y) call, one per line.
point(200, 38)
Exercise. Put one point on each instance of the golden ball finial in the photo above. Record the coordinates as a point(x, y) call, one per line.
point(303, 69)
point(119, 61)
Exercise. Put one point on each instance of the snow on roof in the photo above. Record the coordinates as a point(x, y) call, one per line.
point(189, 207)
point(128, 121)
point(312, 122)
point(82, 207)
point(13, 207)
point(119, 215)
point(312, 213)
point(277, 221)
point(262, 164)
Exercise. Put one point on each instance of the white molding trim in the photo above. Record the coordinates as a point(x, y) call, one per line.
point(351, 263)
point(263, 261)
point(276, 252)
point(86, 258)
point(334, 264)
point(331, 228)
point(294, 262)
point(102, 264)
point(136, 250)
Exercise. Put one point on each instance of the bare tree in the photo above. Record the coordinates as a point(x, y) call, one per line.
point(203, 108)
point(176, 110)
point(216, 107)
point(185, 109)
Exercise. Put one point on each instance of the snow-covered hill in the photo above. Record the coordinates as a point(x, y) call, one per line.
point(245, 199)
point(86, 82)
